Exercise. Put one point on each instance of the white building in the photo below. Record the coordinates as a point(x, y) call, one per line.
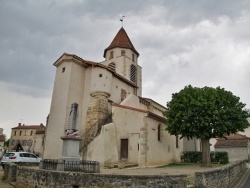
point(132, 127)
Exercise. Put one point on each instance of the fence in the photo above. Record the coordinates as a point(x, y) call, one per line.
point(75, 166)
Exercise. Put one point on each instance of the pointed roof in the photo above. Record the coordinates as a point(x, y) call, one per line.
point(121, 40)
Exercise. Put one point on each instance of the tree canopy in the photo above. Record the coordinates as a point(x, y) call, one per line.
point(205, 113)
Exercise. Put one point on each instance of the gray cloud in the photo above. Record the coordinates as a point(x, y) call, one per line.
point(203, 43)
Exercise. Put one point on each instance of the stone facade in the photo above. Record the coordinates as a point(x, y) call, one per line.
point(98, 108)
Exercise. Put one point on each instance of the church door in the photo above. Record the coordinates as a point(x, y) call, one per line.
point(124, 149)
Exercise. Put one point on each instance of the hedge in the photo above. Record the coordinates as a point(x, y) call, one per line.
point(220, 157)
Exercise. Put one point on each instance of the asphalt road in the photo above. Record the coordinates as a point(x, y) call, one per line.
point(247, 184)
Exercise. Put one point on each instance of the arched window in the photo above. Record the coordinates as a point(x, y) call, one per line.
point(112, 66)
point(133, 73)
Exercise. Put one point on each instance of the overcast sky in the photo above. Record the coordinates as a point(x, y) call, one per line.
point(181, 42)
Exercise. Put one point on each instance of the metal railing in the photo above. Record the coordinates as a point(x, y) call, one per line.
point(74, 166)
point(97, 126)
point(48, 164)
point(82, 166)
point(95, 130)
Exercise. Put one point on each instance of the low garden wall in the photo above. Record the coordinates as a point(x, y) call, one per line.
point(220, 178)
point(34, 177)
point(30, 177)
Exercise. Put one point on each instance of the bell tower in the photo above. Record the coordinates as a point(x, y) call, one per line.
point(122, 57)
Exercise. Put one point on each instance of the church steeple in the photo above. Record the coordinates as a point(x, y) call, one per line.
point(122, 58)
point(121, 40)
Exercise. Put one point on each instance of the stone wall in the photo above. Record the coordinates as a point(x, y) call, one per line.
point(27, 177)
point(35, 177)
point(10, 172)
point(220, 178)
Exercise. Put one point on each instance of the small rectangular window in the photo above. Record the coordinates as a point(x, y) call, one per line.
point(20, 133)
point(63, 69)
point(111, 55)
point(25, 133)
point(123, 52)
point(31, 132)
point(15, 133)
point(133, 57)
point(159, 133)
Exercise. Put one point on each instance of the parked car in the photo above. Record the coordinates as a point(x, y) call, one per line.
point(15, 157)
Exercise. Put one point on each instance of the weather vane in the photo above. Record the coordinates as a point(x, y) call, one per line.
point(122, 20)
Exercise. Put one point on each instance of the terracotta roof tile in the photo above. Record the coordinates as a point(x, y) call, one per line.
point(28, 127)
point(121, 40)
point(233, 140)
point(151, 100)
point(149, 114)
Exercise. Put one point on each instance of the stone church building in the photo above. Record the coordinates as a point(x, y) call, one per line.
point(114, 120)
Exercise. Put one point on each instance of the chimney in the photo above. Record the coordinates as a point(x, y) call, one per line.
point(19, 124)
point(41, 124)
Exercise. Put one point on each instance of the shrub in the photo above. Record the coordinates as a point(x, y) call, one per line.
point(219, 157)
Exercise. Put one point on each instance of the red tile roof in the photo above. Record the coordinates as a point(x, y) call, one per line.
point(28, 127)
point(148, 99)
point(149, 114)
point(121, 40)
point(233, 140)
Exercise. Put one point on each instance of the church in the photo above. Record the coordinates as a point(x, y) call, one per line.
point(115, 122)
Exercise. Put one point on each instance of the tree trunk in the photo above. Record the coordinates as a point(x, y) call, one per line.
point(205, 149)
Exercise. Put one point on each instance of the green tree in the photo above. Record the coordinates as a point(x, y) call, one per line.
point(205, 113)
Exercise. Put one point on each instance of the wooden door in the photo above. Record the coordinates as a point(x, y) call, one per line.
point(124, 149)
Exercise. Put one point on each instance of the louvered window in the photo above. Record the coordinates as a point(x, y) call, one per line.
point(133, 73)
point(112, 66)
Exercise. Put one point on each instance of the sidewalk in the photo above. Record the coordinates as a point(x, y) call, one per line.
point(176, 170)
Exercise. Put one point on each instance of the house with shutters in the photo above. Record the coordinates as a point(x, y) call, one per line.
point(27, 138)
point(114, 120)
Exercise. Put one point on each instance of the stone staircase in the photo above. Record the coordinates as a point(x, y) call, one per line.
point(91, 133)
point(190, 181)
